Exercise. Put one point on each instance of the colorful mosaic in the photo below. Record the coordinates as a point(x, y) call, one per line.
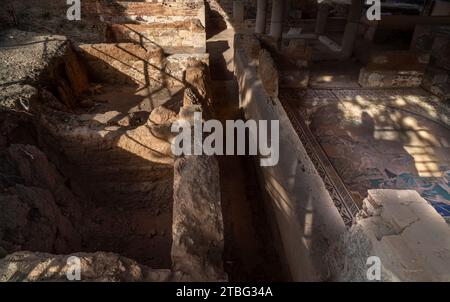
point(386, 138)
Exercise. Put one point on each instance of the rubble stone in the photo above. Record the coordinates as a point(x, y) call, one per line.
point(98, 267)
point(162, 115)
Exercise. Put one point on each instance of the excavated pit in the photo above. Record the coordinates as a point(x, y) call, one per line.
point(94, 177)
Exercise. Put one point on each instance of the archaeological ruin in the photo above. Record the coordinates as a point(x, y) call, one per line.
point(90, 94)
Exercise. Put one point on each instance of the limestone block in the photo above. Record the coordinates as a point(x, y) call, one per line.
point(162, 115)
point(197, 227)
point(124, 63)
point(187, 33)
point(268, 73)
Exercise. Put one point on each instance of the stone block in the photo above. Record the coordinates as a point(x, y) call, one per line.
point(132, 63)
point(124, 63)
point(268, 73)
point(198, 232)
point(169, 36)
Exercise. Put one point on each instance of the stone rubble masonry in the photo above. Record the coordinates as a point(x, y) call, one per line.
point(23, 62)
point(147, 11)
point(127, 63)
point(95, 267)
point(399, 226)
point(176, 37)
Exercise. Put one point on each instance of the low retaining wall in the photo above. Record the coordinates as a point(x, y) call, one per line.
point(183, 36)
point(131, 63)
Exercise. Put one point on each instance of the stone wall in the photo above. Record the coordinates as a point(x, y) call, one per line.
point(97, 17)
point(299, 202)
point(197, 229)
point(95, 267)
point(176, 37)
point(132, 63)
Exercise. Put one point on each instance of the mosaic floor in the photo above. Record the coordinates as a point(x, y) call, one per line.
point(387, 138)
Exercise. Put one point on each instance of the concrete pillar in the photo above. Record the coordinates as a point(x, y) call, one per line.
point(261, 17)
point(321, 20)
point(351, 29)
point(276, 21)
point(238, 11)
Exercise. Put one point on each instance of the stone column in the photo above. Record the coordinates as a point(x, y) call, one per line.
point(238, 11)
point(321, 20)
point(276, 21)
point(351, 29)
point(261, 17)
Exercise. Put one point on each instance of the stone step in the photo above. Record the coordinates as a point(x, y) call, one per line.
point(130, 63)
point(180, 36)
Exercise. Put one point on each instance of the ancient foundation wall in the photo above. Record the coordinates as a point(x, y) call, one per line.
point(131, 63)
point(176, 26)
point(299, 202)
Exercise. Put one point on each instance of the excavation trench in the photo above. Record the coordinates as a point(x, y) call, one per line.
point(93, 172)
point(90, 169)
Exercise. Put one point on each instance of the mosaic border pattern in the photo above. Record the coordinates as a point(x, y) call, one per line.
point(341, 197)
